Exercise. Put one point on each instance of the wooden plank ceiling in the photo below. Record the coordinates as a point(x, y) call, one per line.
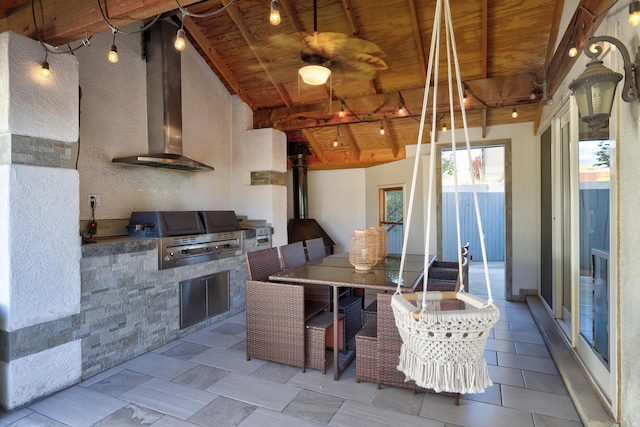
point(505, 49)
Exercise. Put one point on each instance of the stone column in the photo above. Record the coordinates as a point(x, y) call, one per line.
point(40, 346)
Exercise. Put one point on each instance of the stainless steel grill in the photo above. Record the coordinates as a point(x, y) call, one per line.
point(189, 237)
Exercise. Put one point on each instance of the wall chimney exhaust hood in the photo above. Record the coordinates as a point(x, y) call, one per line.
point(164, 104)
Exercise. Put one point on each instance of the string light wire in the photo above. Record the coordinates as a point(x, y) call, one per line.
point(117, 30)
point(185, 12)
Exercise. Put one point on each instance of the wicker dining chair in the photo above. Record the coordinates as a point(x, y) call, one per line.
point(444, 276)
point(275, 322)
point(315, 248)
point(280, 329)
point(263, 263)
point(292, 255)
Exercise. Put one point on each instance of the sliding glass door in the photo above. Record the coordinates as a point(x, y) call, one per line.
point(584, 212)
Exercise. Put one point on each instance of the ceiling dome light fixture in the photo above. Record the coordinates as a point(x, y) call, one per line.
point(180, 43)
point(595, 88)
point(634, 13)
point(274, 15)
point(314, 75)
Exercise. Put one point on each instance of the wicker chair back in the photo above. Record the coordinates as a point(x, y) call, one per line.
point(292, 255)
point(263, 263)
point(315, 248)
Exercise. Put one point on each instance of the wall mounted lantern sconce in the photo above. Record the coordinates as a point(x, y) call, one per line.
point(595, 88)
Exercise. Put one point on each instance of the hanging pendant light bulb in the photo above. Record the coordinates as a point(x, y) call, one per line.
point(444, 124)
point(464, 97)
point(381, 128)
point(532, 95)
point(338, 140)
point(274, 15)
point(514, 113)
point(573, 50)
point(401, 106)
point(113, 53)
point(180, 43)
point(45, 71)
point(634, 13)
point(341, 113)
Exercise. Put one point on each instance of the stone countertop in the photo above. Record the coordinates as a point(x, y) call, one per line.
point(117, 245)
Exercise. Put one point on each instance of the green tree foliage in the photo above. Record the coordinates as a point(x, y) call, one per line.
point(602, 154)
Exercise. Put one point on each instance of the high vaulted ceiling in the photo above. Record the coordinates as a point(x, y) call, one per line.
point(505, 49)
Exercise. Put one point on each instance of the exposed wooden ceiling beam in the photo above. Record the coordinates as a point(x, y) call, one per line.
point(238, 19)
point(353, 20)
point(555, 30)
point(553, 37)
point(313, 143)
point(392, 138)
point(485, 55)
point(194, 30)
point(65, 21)
point(417, 31)
point(8, 5)
point(582, 25)
point(351, 141)
point(293, 16)
point(513, 90)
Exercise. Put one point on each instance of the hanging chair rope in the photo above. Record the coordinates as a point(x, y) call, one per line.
point(443, 343)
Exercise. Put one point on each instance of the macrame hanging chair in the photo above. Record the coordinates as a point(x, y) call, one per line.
point(444, 334)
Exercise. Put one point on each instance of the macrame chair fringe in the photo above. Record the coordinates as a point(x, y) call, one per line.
point(443, 338)
point(444, 350)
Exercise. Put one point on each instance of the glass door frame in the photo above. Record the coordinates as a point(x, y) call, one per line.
point(566, 258)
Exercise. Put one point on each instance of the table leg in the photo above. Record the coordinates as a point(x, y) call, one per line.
point(336, 346)
point(337, 368)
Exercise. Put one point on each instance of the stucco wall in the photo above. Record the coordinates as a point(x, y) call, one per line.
point(254, 151)
point(337, 200)
point(38, 107)
point(114, 124)
point(628, 182)
point(400, 173)
point(525, 191)
point(626, 179)
point(38, 225)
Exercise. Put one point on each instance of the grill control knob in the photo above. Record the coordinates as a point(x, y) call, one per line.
point(185, 251)
point(207, 249)
point(226, 245)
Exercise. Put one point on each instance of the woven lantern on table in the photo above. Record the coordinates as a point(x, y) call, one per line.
point(383, 241)
point(363, 249)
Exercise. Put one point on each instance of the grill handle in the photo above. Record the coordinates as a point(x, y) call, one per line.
point(140, 227)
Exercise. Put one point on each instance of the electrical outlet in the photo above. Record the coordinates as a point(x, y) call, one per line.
point(94, 198)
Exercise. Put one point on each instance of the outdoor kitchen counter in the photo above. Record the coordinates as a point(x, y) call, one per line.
point(118, 245)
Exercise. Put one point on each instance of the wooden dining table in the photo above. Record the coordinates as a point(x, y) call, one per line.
point(336, 271)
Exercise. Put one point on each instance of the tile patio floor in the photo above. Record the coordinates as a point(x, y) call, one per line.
point(204, 379)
